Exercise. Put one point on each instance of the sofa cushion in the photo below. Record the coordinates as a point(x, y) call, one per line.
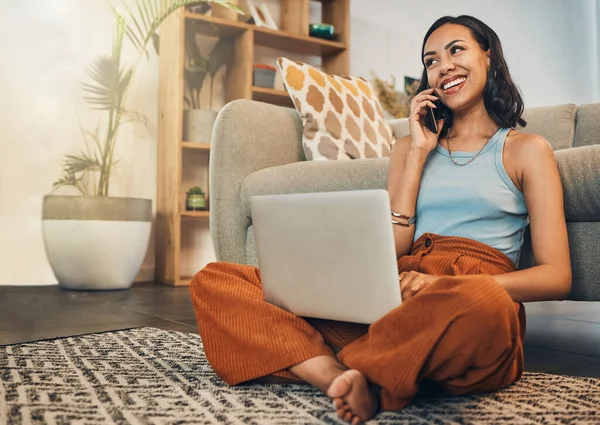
point(317, 176)
point(580, 174)
point(400, 128)
point(341, 116)
point(554, 123)
point(587, 131)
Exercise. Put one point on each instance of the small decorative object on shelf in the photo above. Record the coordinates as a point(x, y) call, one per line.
point(394, 102)
point(265, 15)
point(224, 12)
point(260, 14)
point(201, 8)
point(411, 85)
point(195, 200)
point(320, 30)
point(264, 76)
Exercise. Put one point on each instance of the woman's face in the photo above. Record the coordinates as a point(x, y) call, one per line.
point(456, 66)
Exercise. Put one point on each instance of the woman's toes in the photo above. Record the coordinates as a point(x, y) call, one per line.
point(342, 411)
point(348, 416)
point(338, 402)
point(356, 420)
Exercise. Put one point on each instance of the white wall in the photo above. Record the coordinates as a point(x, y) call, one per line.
point(598, 46)
point(46, 45)
point(550, 45)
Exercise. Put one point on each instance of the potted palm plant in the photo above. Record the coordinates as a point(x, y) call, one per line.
point(197, 121)
point(94, 241)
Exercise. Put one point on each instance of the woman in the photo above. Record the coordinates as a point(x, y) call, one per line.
point(473, 187)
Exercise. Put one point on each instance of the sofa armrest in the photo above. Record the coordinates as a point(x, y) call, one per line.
point(248, 136)
point(315, 176)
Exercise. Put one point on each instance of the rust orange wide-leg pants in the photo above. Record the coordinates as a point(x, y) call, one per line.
point(465, 332)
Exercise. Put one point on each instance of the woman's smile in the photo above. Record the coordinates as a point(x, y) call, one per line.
point(454, 86)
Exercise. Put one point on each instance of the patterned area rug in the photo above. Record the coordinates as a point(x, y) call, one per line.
point(151, 376)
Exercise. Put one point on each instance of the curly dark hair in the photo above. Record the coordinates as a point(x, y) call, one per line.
point(501, 96)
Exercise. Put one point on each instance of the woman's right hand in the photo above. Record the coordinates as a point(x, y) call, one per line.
point(421, 136)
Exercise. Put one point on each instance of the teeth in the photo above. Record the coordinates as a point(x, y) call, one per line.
point(454, 83)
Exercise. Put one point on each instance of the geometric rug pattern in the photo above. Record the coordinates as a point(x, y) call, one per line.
point(153, 376)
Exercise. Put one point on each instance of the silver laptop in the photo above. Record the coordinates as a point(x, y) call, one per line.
point(328, 255)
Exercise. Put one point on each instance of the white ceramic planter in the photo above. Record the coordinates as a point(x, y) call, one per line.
point(96, 243)
point(198, 125)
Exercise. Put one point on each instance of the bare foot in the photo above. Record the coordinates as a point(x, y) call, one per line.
point(353, 399)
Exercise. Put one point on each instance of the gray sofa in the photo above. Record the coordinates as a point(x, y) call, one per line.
point(257, 149)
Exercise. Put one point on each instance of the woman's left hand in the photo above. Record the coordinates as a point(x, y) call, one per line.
point(412, 282)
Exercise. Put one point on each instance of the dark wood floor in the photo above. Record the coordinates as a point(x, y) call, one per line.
point(562, 337)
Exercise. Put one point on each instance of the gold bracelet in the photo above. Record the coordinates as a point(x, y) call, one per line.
point(409, 220)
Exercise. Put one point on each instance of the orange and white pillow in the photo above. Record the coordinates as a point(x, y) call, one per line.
point(342, 117)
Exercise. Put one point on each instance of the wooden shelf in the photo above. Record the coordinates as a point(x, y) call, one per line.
point(296, 43)
point(276, 97)
point(196, 145)
point(275, 39)
point(204, 214)
point(217, 27)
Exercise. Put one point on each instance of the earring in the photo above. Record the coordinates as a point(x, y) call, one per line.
point(495, 74)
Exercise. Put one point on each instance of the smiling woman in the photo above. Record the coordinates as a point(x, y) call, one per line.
point(461, 199)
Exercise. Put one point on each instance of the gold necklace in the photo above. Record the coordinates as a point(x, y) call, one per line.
point(470, 160)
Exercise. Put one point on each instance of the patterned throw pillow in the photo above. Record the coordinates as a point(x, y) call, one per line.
point(342, 117)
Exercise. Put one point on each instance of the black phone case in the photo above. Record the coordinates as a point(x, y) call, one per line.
point(435, 114)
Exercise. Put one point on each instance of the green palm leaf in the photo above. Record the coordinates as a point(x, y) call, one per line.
point(135, 116)
point(107, 86)
point(83, 161)
point(100, 92)
point(149, 14)
point(108, 81)
point(220, 55)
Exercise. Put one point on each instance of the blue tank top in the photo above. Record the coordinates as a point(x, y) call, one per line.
point(478, 201)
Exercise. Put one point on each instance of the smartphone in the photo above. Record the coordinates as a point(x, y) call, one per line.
point(435, 114)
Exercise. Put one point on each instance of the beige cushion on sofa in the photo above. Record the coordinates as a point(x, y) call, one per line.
point(588, 125)
point(554, 123)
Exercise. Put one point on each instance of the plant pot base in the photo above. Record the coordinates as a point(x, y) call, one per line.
point(94, 254)
point(198, 125)
point(95, 243)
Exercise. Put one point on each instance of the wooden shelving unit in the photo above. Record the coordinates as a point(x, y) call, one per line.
point(197, 214)
point(293, 37)
point(196, 145)
point(276, 97)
